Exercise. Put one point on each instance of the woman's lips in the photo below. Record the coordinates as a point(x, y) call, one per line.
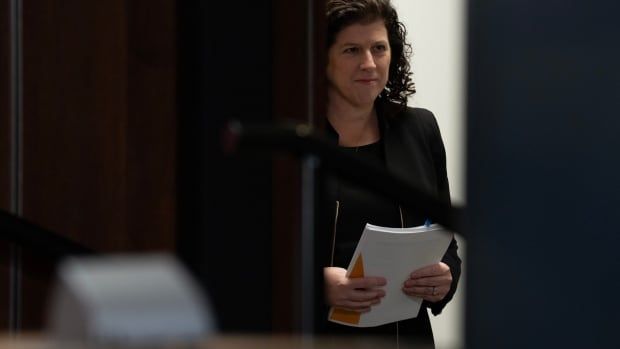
point(366, 81)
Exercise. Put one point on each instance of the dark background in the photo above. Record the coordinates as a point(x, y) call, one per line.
point(226, 201)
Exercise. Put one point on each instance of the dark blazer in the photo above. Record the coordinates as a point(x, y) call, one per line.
point(414, 150)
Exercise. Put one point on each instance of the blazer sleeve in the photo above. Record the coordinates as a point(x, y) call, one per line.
point(451, 258)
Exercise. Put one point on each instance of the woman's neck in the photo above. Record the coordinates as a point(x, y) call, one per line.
point(356, 126)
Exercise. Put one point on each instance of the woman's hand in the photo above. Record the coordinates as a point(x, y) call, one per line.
point(431, 283)
point(355, 294)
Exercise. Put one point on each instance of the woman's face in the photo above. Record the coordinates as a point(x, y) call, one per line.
point(358, 64)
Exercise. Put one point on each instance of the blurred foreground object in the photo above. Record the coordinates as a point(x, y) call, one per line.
point(237, 341)
point(137, 300)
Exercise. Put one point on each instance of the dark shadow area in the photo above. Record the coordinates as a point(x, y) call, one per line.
point(225, 203)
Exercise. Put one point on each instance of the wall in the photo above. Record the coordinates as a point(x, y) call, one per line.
point(436, 30)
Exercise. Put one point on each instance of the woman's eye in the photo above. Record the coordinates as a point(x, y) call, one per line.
point(350, 50)
point(381, 48)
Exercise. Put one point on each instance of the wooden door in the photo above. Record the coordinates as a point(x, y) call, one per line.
point(95, 128)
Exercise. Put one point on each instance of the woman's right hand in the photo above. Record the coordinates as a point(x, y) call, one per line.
point(355, 294)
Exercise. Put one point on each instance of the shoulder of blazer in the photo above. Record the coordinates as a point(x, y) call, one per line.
point(419, 123)
point(422, 123)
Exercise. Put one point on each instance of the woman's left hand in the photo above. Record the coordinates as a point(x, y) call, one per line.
point(431, 283)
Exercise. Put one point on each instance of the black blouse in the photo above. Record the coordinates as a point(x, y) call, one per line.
point(358, 206)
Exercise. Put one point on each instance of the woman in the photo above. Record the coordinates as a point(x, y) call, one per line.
point(369, 82)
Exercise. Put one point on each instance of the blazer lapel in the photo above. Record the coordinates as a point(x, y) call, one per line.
point(404, 157)
point(404, 154)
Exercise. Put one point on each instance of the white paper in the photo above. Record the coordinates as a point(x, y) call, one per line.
point(394, 253)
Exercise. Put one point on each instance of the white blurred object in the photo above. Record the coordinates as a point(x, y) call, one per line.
point(137, 300)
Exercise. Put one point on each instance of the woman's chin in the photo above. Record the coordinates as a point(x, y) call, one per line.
point(366, 100)
point(362, 94)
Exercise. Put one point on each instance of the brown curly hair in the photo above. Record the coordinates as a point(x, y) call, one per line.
point(342, 13)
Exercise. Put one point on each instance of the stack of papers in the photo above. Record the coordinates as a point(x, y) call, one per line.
point(393, 253)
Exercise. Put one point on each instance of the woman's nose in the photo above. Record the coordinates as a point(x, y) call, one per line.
point(368, 61)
